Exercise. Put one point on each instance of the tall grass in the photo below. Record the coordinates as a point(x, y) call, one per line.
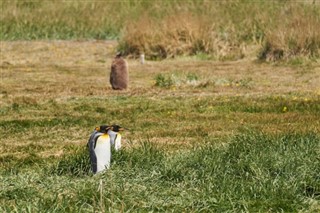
point(253, 172)
point(216, 28)
point(226, 29)
point(26, 20)
point(162, 29)
point(295, 36)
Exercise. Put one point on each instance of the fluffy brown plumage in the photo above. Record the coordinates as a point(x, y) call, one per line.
point(119, 76)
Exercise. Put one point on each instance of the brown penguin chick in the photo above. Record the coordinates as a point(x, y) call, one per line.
point(119, 76)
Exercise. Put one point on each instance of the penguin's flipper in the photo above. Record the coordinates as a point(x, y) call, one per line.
point(117, 143)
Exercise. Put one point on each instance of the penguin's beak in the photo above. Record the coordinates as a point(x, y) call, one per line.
point(124, 128)
point(117, 128)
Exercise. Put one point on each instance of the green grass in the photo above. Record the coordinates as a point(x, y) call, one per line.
point(256, 169)
point(253, 172)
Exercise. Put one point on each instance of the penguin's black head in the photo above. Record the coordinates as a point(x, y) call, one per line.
point(103, 128)
point(116, 128)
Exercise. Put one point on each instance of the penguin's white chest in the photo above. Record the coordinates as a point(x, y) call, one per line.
point(115, 139)
point(103, 152)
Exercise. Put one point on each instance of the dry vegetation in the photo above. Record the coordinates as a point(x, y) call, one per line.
point(224, 30)
point(286, 41)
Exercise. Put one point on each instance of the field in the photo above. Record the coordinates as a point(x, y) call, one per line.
point(207, 131)
point(207, 136)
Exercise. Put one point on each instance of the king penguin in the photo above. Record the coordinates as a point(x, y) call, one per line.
point(115, 136)
point(100, 143)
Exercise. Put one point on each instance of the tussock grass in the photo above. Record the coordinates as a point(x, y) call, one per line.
point(286, 40)
point(223, 30)
point(185, 30)
point(179, 34)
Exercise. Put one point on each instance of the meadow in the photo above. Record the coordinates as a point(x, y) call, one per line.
point(209, 131)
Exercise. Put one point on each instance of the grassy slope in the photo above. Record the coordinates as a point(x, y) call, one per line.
point(224, 136)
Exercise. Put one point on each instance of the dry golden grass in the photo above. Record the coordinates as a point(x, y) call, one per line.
point(226, 30)
point(297, 35)
point(181, 33)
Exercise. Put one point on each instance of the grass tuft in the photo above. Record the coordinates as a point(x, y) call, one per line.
point(144, 155)
point(76, 164)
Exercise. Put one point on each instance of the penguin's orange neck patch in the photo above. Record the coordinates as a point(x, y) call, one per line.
point(104, 136)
